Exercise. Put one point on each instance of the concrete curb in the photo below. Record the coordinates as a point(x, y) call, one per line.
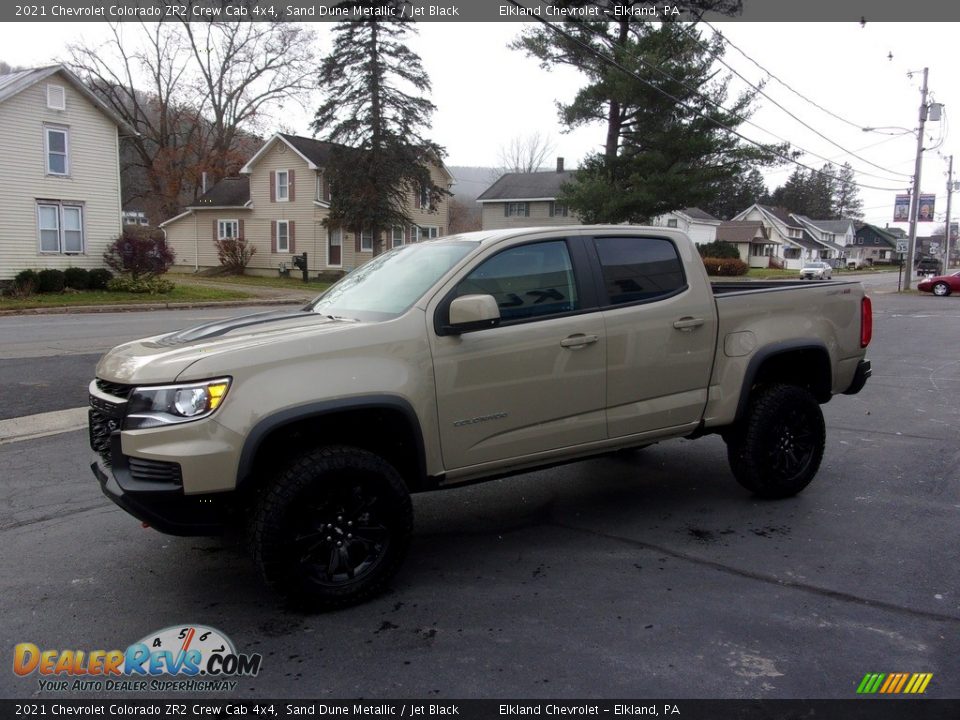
point(77, 309)
point(41, 425)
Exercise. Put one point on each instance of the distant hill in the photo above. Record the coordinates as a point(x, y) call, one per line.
point(471, 181)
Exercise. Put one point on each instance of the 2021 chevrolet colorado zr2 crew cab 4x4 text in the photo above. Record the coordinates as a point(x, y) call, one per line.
point(457, 359)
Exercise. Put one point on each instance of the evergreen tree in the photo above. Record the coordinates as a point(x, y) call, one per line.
point(659, 155)
point(382, 157)
point(846, 199)
point(736, 195)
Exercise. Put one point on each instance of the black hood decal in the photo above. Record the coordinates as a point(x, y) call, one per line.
point(222, 327)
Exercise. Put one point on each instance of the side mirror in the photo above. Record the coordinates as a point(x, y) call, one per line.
point(473, 312)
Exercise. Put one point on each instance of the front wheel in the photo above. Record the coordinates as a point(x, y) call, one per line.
point(777, 449)
point(332, 528)
point(941, 289)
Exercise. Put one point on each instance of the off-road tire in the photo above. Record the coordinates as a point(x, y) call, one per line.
point(777, 448)
point(324, 497)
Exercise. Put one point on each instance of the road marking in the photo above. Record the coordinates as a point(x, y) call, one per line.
point(40, 425)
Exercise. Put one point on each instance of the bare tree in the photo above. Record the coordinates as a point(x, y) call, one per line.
point(6, 68)
point(193, 93)
point(246, 69)
point(525, 154)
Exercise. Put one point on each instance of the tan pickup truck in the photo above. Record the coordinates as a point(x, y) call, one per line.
point(467, 357)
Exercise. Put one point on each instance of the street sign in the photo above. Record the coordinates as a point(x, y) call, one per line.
point(901, 246)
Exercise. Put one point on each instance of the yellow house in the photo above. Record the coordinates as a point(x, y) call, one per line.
point(279, 204)
point(59, 172)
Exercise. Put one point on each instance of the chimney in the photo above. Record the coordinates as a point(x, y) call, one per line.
point(559, 164)
point(203, 183)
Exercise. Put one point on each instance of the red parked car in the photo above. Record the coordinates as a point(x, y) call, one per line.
point(941, 285)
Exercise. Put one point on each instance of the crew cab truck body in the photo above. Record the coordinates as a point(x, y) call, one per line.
point(458, 359)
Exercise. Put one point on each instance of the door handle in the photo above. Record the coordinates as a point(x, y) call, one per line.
point(686, 324)
point(578, 341)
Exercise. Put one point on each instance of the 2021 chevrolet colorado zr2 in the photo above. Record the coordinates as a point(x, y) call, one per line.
point(457, 359)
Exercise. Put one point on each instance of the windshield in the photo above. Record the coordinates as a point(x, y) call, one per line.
point(389, 284)
point(814, 265)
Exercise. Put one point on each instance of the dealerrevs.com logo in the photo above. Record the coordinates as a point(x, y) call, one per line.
point(188, 658)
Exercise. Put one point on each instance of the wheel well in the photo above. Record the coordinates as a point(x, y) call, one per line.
point(808, 368)
point(384, 431)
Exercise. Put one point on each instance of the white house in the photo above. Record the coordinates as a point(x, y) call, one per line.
point(59, 172)
point(832, 235)
point(785, 233)
point(700, 226)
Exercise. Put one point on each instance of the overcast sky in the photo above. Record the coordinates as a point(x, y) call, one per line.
point(486, 94)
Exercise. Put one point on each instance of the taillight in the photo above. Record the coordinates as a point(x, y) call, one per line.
point(866, 321)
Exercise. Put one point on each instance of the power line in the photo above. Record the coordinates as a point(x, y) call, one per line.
point(799, 94)
point(718, 57)
point(614, 63)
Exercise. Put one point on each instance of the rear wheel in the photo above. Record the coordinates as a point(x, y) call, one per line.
point(777, 450)
point(332, 528)
point(941, 289)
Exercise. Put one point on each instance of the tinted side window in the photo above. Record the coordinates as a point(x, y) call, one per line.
point(637, 269)
point(526, 281)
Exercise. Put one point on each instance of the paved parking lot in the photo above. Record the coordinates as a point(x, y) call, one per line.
point(649, 574)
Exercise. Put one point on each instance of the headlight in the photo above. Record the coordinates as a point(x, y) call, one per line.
point(170, 404)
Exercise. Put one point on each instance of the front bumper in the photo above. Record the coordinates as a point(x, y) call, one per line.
point(165, 507)
point(178, 479)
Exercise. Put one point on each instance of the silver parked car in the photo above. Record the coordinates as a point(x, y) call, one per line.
point(816, 270)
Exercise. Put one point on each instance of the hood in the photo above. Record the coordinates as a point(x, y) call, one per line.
point(163, 358)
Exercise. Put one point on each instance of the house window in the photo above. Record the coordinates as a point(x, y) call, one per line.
point(319, 187)
point(791, 253)
point(424, 198)
point(56, 97)
point(135, 217)
point(558, 210)
point(228, 229)
point(283, 185)
point(283, 236)
point(425, 232)
point(366, 241)
point(516, 209)
point(57, 151)
point(61, 228)
point(671, 222)
point(397, 236)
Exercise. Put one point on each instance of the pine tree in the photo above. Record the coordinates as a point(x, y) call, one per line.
point(382, 157)
point(659, 155)
point(846, 199)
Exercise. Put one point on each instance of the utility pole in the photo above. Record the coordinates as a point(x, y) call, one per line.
point(946, 252)
point(915, 197)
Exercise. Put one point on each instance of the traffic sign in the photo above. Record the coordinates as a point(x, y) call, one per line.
point(901, 246)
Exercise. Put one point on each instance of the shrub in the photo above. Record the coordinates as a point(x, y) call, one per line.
point(718, 249)
point(99, 279)
point(50, 281)
point(139, 251)
point(725, 267)
point(234, 254)
point(25, 283)
point(146, 285)
point(76, 278)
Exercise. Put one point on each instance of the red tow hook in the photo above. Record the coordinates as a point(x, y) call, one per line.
point(144, 525)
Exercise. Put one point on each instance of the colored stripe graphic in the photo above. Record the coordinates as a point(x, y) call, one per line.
point(894, 683)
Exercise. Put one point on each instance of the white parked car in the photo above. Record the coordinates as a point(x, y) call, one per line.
point(816, 270)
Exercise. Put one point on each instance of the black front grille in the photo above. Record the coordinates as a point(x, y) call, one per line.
point(115, 389)
point(154, 471)
point(101, 427)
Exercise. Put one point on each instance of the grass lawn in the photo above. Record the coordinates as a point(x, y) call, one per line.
point(290, 283)
point(181, 293)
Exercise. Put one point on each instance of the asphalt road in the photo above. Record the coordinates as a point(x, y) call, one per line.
point(47, 361)
point(649, 574)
